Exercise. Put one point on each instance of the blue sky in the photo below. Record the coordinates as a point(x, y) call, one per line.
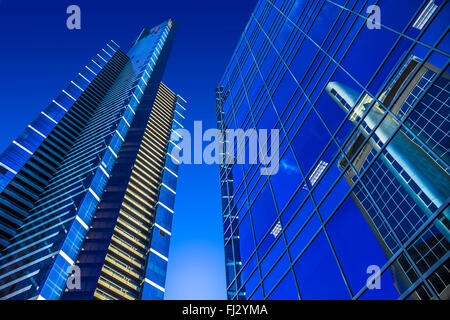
point(40, 56)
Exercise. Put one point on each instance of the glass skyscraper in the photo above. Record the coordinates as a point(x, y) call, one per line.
point(358, 208)
point(87, 190)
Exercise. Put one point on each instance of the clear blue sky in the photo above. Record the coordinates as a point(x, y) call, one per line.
point(39, 56)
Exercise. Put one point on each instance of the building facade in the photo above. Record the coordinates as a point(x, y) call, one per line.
point(87, 190)
point(358, 206)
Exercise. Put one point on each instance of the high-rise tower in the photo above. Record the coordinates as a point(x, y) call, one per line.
point(87, 190)
point(362, 188)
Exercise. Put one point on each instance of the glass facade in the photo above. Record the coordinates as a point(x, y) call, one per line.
point(87, 182)
point(362, 185)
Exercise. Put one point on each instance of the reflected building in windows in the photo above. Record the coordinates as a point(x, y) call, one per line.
point(87, 190)
point(406, 180)
point(363, 176)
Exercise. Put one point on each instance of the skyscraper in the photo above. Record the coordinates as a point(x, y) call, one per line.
point(359, 206)
point(87, 190)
